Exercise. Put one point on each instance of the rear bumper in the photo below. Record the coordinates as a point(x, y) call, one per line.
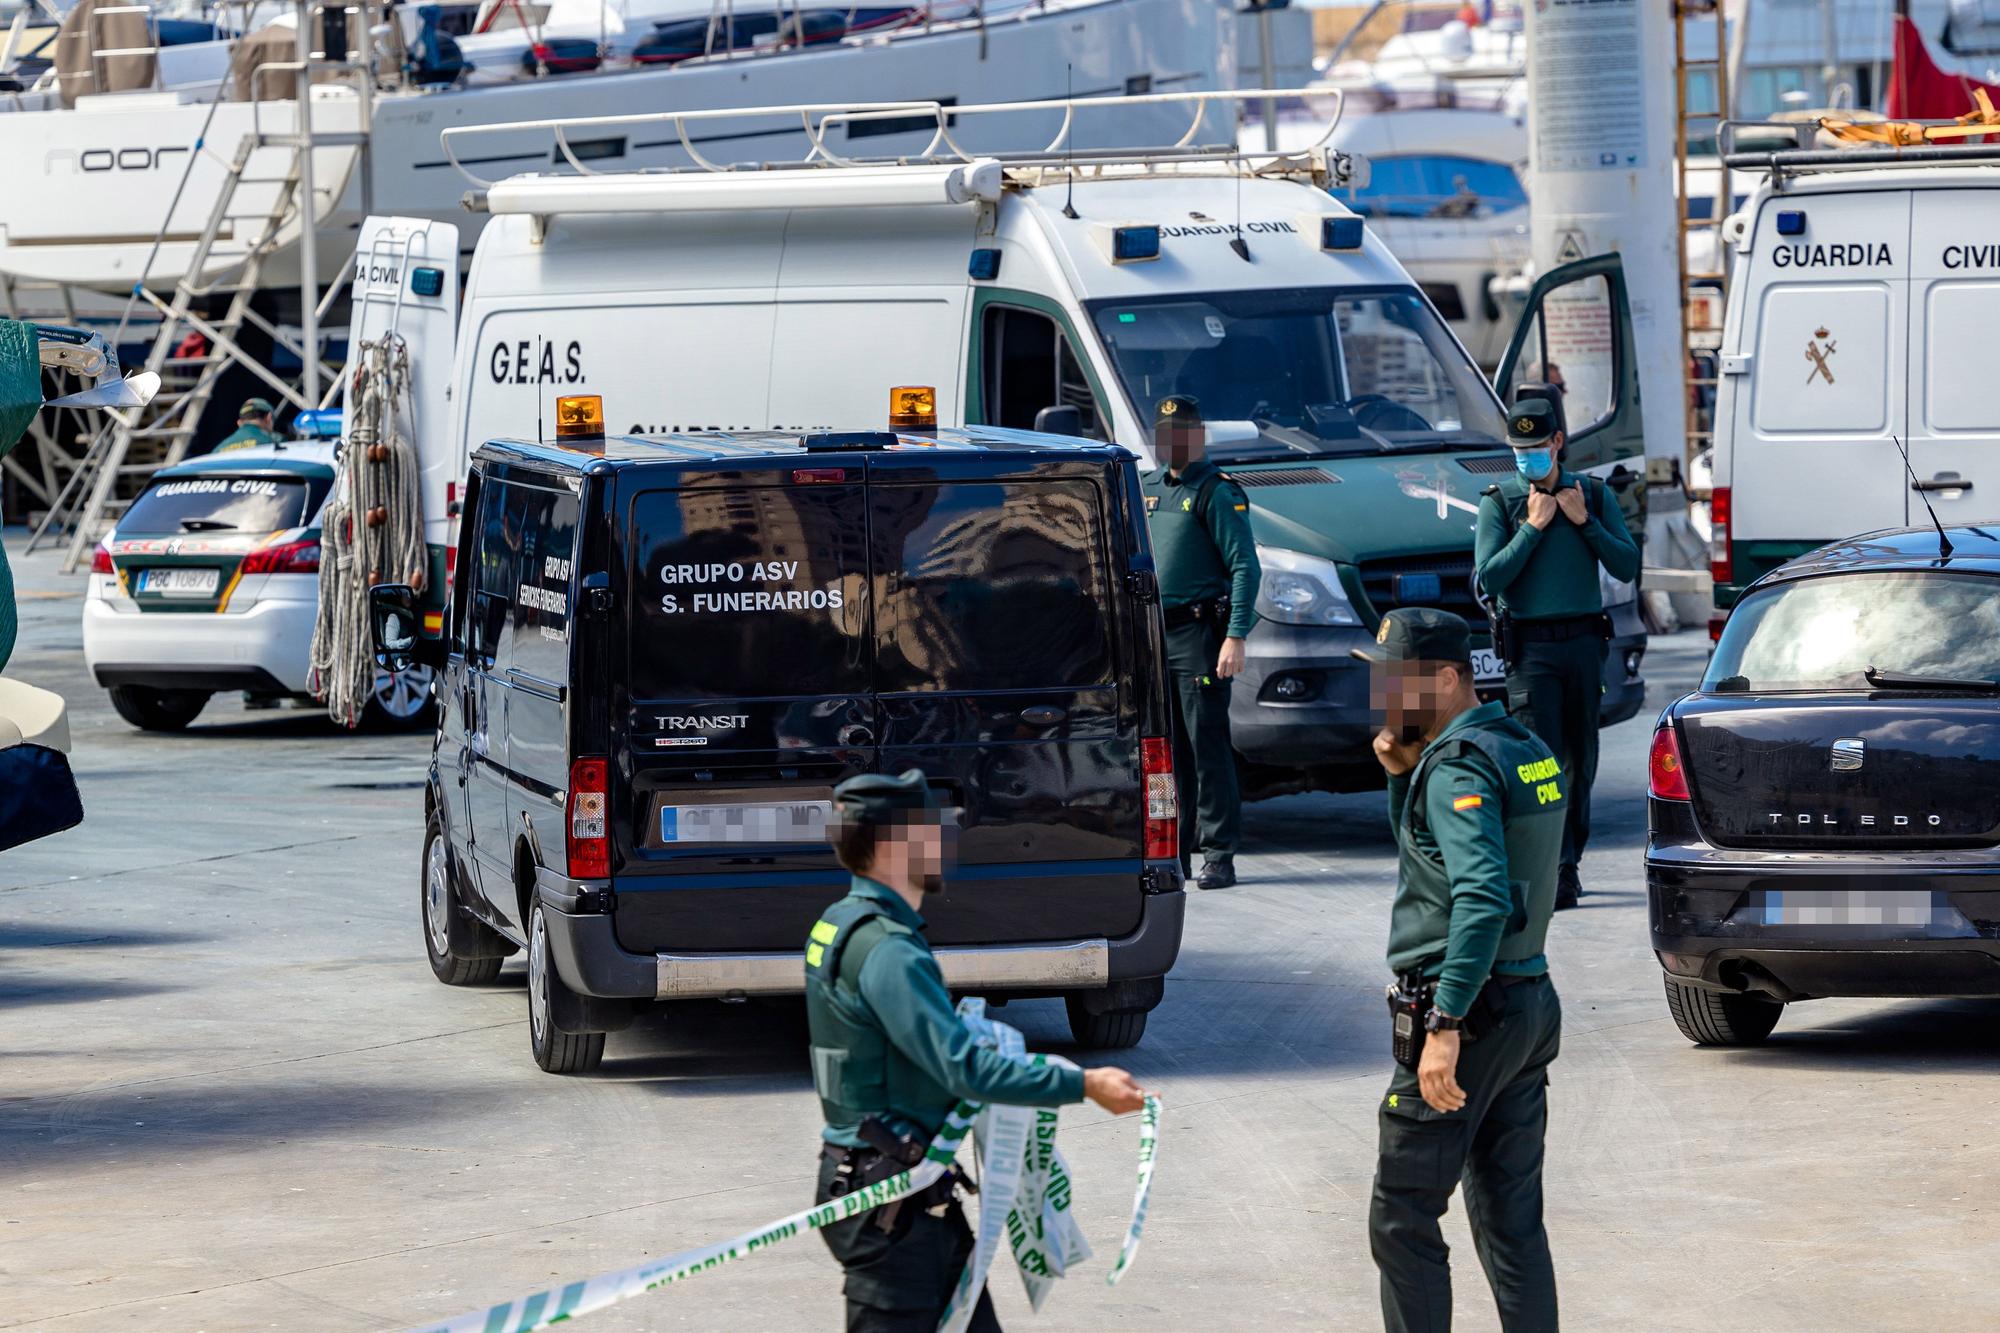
point(265, 646)
point(590, 960)
point(1709, 927)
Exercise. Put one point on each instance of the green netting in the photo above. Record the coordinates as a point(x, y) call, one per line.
point(20, 397)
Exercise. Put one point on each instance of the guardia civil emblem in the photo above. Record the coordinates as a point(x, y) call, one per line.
point(1382, 634)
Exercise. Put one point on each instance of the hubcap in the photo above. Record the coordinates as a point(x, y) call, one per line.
point(403, 694)
point(437, 898)
point(538, 977)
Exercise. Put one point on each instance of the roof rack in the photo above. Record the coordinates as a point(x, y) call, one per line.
point(816, 119)
point(1799, 160)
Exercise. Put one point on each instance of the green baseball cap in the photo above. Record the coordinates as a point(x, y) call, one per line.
point(1177, 409)
point(877, 798)
point(1419, 634)
point(255, 407)
point(1530, 422)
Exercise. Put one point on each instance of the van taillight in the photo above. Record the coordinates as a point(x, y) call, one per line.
point(100, 560)
point(1163, 805)
point(589, 843)
point(1666, 778)
point(1721, 559)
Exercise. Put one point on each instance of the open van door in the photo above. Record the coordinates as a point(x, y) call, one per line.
point(406, 286)
point(1576, 334)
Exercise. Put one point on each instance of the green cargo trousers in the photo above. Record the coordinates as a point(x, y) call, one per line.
point(900, 1280)
point(1556, 689)
point(1493, 1148)
point(1204, 762)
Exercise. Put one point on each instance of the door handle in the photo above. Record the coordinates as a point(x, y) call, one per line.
point(1042, 715)
point(1943, 481)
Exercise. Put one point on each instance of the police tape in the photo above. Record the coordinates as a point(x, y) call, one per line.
point(1033, 1210)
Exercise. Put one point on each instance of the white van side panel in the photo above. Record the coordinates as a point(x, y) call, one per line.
point(1955, 303)
point(1825, 319)
point(836, 353)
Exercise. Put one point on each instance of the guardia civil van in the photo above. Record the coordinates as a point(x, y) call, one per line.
point(1858, 324)
point(663, 651)
point(1059, 289)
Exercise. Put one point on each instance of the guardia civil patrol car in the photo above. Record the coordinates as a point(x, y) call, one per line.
point(1059, 290)
point(662, 652)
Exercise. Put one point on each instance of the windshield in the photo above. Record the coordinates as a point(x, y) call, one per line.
point(1824, 634)
point(223, 504)
point(1435, 186)
point(1314, 372)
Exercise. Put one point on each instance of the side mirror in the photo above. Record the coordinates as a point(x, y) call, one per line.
point(1059, 421)
point(397, 625)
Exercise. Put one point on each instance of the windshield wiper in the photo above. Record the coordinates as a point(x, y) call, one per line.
point(205, 525)
point(1902, 680)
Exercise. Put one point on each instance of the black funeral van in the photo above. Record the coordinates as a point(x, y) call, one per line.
point(1825, 808)
point(662, 653)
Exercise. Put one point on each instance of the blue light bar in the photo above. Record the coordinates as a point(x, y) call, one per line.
point(318, 423)
point(1791, 222)
point(1129, 243)
point(984, 265)
point(427, 281)
point(1340, 233)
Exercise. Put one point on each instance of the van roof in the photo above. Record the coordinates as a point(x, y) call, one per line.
point(738, 446)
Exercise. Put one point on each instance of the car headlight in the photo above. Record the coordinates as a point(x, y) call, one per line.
point(1302, 590)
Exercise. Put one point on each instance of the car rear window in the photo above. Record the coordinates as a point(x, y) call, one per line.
point(750, 593)
point(223, 504)
point(990, 586)
point(1824, 633)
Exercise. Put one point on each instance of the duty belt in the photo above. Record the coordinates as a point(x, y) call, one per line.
point(1595, 624)
point(1216, 608)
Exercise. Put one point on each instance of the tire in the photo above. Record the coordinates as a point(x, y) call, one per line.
point(1721, 1018)
point(1116, 1031)
point(556, 1051)
point(401, 701)
point(442, 918)
point(158, 710)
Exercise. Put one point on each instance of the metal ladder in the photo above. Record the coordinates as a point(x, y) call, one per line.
point(1694, 123)
point(131, 446)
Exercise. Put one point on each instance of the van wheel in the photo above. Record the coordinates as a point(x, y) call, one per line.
point(400, 700)
point(158, 710)
point(556, 1051)
point(445, 920)
point(1115, 1031)
point(1719, 1018)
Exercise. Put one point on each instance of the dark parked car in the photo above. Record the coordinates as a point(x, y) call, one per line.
point(1825, 808)
point(661, 654)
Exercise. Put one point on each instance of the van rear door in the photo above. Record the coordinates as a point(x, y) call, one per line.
point(1954, 291)
point(747, 698)
point(1001, 673)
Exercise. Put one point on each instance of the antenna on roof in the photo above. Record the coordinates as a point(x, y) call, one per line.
point(1069, 141)
point(1944, 542)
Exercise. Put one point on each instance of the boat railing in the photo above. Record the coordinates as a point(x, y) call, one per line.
point(942, 120)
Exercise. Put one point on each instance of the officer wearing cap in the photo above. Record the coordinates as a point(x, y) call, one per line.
point(1476, 802)
point(890, 1058)
point(1208, 573)
point(253, 426)
point(1541, 537)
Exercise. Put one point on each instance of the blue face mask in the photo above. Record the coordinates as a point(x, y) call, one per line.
point(1534, 464)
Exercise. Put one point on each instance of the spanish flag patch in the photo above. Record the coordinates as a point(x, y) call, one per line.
point(1467, 802)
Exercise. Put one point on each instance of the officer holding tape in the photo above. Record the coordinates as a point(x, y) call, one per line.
point(1477, 802)
point(1200, 525)
point(1541, 536)
point(891, 1058)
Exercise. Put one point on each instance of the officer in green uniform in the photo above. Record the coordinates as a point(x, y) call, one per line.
point(253, 427)
point(1541, 537)
point(890, 1059)
point(1208, 574)
point(1476, 801)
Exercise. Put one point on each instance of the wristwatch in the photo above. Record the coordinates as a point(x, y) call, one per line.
point(1437, 1020)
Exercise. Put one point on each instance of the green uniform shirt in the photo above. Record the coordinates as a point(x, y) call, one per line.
point(246, 436)
point(1476, 865)
point(1551, 574)
point(890, 1044)
point(1200, 561)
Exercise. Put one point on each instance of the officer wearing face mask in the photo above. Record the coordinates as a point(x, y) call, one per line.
point(890, 1059)
point(1542, 536)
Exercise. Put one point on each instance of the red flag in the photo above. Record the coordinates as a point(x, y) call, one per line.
point(1918, 88)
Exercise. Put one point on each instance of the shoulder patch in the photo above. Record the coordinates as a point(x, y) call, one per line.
point(1471, 801)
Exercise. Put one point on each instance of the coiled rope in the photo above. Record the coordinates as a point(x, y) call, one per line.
point(373, 530)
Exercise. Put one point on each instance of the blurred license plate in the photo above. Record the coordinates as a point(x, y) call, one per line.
point(179, 582)
point(786, 821)
point(1848, 907)
point(1486, 668)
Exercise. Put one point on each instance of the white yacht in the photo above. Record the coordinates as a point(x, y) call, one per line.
point(120, 134)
